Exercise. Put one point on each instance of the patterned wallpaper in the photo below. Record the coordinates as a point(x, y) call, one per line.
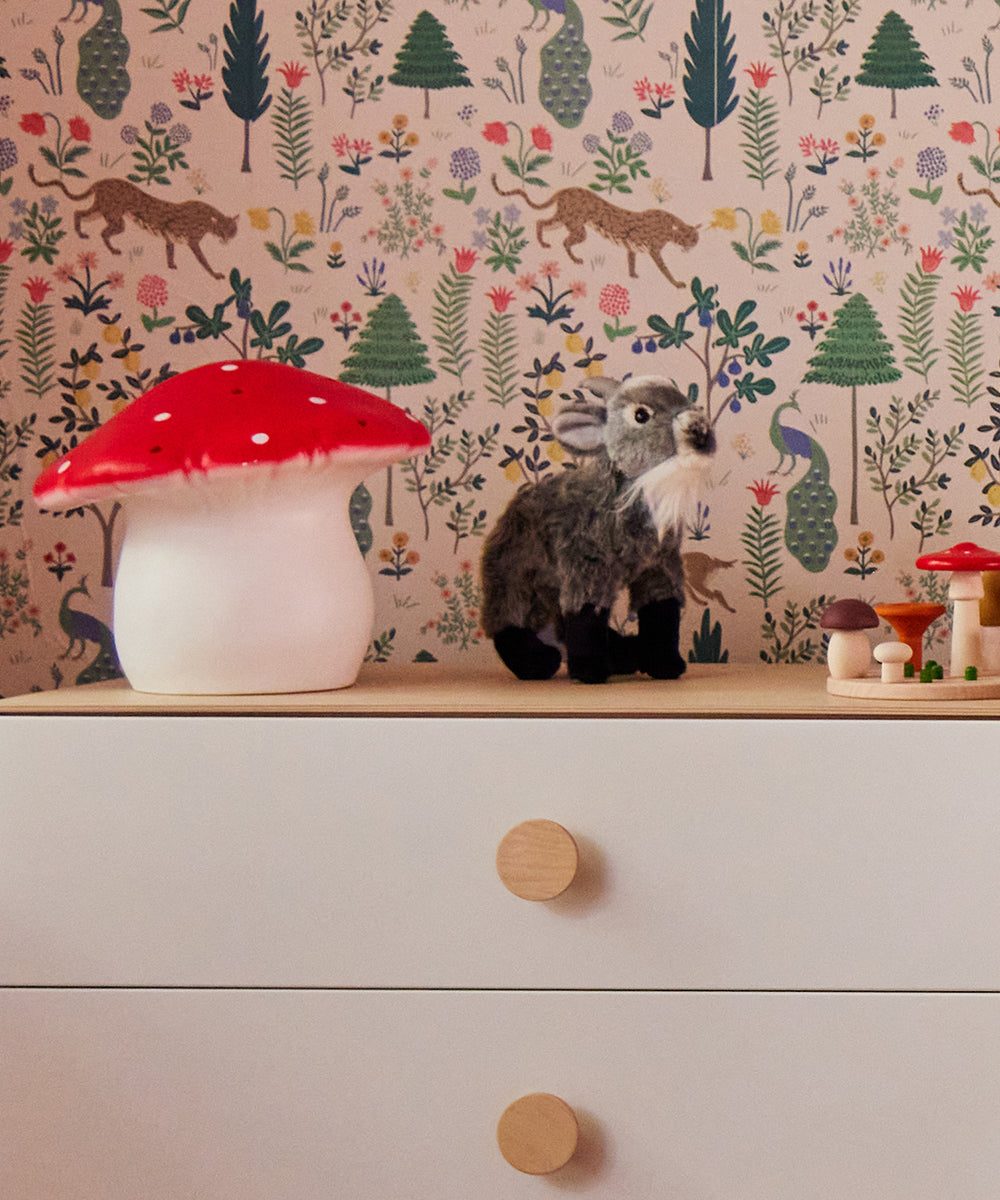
point(509, 188)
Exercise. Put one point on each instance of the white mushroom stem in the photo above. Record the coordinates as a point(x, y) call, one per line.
point(848, 654)
point(893, 656)
point(250, 581)
point(965, 591)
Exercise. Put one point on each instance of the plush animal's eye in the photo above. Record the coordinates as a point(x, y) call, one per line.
point(641, 414)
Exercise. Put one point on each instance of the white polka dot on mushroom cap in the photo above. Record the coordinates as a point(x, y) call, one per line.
point(163, 416)
point(260, 439)
point(64, 466)
point(317, 400)
point(230, 367)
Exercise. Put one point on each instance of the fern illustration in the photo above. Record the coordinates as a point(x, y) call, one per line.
point(761, 537)
point(916, 320)
point(292, 122)
point(498, 348)
point(965, 352)
point(5, 271)
point(758, 119)
point(451, 321)
point(36, 337)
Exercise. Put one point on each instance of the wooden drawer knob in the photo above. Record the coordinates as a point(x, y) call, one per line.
point(537, 860)
point(538, 1133)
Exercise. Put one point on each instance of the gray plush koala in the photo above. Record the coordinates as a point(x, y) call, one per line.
point(565, 546)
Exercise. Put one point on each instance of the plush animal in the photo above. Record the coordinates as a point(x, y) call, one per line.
point(566, 546)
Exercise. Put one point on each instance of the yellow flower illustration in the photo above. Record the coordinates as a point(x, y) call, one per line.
point(867, 121)
point(399, 121)
point(260, 218)
point(303, 224)
point(770, 222)
point(978, 471)
point(723, 218)
point(993, 495)
point(866, 539)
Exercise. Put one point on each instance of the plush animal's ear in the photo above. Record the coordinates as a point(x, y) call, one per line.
point(581, 427)
point(601, 386)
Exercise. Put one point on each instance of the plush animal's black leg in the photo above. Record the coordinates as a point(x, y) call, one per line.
point(624, 652)
point(523, 652)
point(588, 648)
point(659, 638)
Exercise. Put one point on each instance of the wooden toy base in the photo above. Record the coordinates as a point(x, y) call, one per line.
point(986, 687)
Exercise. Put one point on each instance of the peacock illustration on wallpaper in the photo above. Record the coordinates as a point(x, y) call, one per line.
point(82, 627)
point(810, 533)
point(564, 87)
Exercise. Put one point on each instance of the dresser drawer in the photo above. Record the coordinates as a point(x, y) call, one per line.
point(359, 852)
point(252, 1095)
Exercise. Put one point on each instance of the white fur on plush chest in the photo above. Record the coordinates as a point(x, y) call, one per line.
point(672, 489)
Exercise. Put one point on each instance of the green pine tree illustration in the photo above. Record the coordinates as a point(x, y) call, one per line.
point(428, 60)
point(894, 59)
point(854, 352)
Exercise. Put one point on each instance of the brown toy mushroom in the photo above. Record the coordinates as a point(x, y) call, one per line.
point(966, 561)
point(849, 652)
point(239, 569)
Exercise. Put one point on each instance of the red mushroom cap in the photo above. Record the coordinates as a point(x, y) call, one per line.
point(229, 414)
point(966, 556)
point(849, 614)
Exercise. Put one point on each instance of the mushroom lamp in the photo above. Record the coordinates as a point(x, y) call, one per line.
point(239, 570)
point(966, 562)
point(849, 652)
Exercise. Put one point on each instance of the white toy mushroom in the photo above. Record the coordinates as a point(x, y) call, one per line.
point(849, 652)
point(966, 561)
point(239, 569)
point(893, 656)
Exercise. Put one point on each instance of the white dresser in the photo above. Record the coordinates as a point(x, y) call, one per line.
point(257, 948)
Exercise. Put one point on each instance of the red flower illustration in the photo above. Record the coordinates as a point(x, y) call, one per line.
point(760, 74)
point(764, 491)
point(38, 288)
point(79, 130)
point(966, 297)
point(613, 300)
point(152, 291)
point(6, 249)
point(294, 73)
point(930, 258)
point(541, 138)
point(181, 79)
point(496, 132)
point(33, 123)
point(500, 297)
point(962, 131)
point(464, 260)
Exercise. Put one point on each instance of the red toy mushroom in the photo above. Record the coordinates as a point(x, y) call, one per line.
point(239, 569)
point(966, 561)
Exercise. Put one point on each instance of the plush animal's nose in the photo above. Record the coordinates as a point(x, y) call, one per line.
point(694, 429)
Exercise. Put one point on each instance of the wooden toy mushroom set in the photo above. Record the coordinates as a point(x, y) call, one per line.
point(974, 672)
point(239, 569)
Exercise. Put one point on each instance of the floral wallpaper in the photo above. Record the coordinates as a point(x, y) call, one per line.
point(790, 209)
